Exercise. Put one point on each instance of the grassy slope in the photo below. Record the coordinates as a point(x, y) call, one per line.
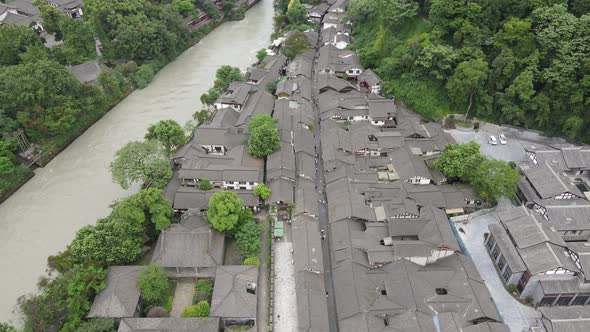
point(427, 98)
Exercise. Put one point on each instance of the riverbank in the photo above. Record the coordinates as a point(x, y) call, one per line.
point(53, 147)
point(75, 188)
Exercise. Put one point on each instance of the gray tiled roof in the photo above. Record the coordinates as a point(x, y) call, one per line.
point(120, 296)
point(566, 319)
point(230, 296)
point(204, 324)
point(191, 243)
point(86, 72)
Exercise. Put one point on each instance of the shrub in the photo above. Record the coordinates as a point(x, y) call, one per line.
point(262, 191)
point(204, 184)
point(153, 283)
point(159, 312)
point(201, 309)
point(261, 54)
point(252, 261)
point(144, 75)
point(96, 325)
point(248, 238)
point(168, 305)
point(203, 289)
point(511, 288)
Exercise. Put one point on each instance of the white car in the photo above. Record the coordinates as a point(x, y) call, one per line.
point(493, 140)
point(502, 139)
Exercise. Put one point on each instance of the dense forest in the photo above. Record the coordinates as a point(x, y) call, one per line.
point(41, 96)
point(523, 63)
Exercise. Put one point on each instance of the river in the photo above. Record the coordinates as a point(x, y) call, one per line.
point(75, 188)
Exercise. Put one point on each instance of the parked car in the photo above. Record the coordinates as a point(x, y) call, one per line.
point(493, 140)
point(502, 139)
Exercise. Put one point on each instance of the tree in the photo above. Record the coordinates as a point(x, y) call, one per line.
point(153, 284)
point(205, 184)
point(144, 75)
point(261, 54)
point(225, 75)
point(140, 162)
point(6, 328)
point(78, 40)
point(201, 309)
point(458, 161)
point(14, 40)
point(211, 9)
point(262, 191)
point(185, 7)
point(252, 261)
point(83, 283)
point(109, 242)
point(494, 179)
point(201, 116)
point(263, 140)
point(296, 44)
point(169, 133)
point(260, 120)
point(248, 238)
point(468, 78)
point(148, 207)
point(296, 13)
point(224, 210)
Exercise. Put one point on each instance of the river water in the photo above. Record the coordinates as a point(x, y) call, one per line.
point(75, 188)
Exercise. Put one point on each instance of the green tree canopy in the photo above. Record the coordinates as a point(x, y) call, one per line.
point(494, 179)
point(458, 161)
point(169, 133)
point(248, 237)
point(468, 78)
point(153, 284)
point(98, 325)
point(224, 210)
point(296, 44)
point(263, 140)
point(296, 13)
point(262, 191)
point(139, 162)
point(14, 40)
point(225, 75)
point(260, 120)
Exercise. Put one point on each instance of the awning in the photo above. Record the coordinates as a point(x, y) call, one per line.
point(455, 211)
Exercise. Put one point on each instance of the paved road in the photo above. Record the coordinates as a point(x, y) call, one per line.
point(513, 151)
point(517, 316)
point(262, 312)
point(323, 216)
point(183, 297)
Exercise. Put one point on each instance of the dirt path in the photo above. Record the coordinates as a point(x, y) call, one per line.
point(263, 276)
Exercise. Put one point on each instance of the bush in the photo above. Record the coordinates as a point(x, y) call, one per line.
point(97, 325)
point(204, 184)
point(168, 305)
point(160, 312)
point(262, 191)
point(153, 283)
point(201, 309)
point(252, 261)
point(511, 288)
point(203, 289)
point(261, 54)
point(144, 75)
point(248, 238)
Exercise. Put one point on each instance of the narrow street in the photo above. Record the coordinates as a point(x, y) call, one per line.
point(323, 216)
point(262, 312)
